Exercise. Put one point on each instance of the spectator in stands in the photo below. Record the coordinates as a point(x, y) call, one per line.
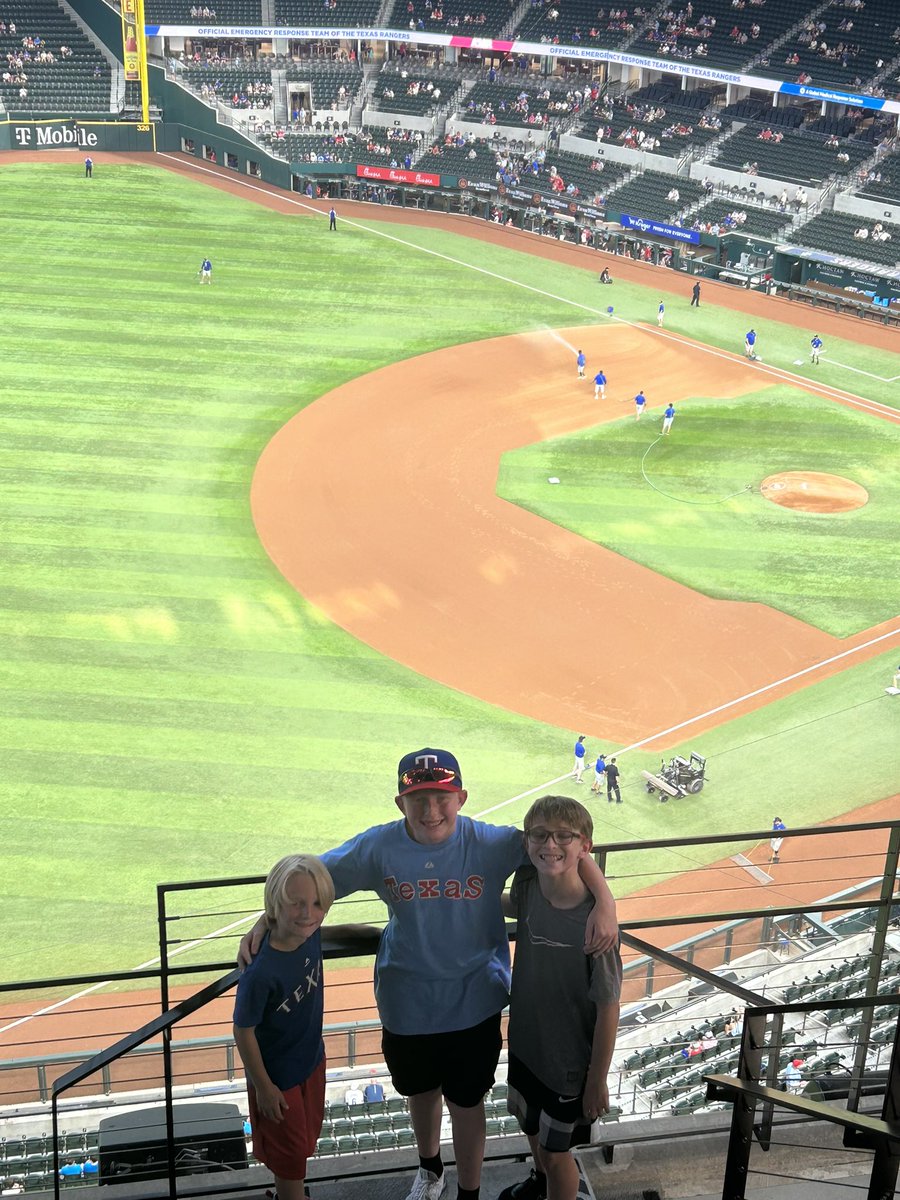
point(443, 976)
point(562, 1017)
point(354, 1095)
point(792, 1077)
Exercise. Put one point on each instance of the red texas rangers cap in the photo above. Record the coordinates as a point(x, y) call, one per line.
point(436, 769)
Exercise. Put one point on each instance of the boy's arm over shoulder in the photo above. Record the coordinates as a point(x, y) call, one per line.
point(602, 931)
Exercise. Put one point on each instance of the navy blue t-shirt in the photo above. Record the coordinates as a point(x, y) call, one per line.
point(280, 996)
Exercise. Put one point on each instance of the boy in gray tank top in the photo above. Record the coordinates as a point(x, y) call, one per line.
point(564, 1004)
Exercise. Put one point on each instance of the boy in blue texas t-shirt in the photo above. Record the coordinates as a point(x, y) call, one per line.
point(442, 972)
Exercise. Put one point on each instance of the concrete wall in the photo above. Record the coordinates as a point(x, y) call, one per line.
point(873, 210)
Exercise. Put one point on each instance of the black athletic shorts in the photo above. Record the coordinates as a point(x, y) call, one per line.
point(461, 1063)
point(558, 1122)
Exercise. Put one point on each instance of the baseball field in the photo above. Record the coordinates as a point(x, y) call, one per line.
point(262, 537)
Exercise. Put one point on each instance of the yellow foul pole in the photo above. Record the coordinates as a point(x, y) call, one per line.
point(134, 50)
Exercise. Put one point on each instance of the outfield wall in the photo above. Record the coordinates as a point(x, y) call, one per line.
point(74, 133)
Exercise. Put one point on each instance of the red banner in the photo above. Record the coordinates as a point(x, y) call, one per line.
point(393, 175)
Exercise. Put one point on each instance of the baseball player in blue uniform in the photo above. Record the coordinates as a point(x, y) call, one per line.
point(778, 827)
point(206, 271)
point(750, 343)
point(580, 760)
point(640, 402)
point(660, 313)
point(668, 418)
point(815, 348)
point(599, 386)
point(599, 773)
point(581, 361)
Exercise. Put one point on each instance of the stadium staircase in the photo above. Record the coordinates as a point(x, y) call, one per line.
point(114, 64)
point(280, 112)
point(370, 72)
point(766, 53)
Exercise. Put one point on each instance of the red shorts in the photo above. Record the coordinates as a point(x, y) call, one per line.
point(285, 1145)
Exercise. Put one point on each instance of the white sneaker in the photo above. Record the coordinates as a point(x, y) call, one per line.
point(428, 1186)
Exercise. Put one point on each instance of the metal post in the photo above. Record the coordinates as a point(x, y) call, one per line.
point(54, 1116)
point(764, 1129)
point(883, 1181)
point(741, 1136)
point(166, 1040)
point(891, 859)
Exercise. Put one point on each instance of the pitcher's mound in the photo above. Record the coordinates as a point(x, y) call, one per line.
point(813, 491)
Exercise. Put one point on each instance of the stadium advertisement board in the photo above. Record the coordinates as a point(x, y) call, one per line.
point(423, 37)
point(659, 228)
point(394, 175)
point(66, 133)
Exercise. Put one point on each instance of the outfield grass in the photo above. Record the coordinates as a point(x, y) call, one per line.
point(676, 504)
point(169, 707)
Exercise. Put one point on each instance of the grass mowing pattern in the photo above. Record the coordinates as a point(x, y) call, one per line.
point(836, 571)
point(169, 707)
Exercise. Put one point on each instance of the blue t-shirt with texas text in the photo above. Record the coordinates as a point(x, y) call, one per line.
point(443, 962)
point(280, 996)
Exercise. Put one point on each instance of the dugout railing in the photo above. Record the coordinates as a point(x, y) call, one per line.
point(726, 938)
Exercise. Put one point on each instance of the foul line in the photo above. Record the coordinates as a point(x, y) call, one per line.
point(711, 712)
point(826, 390)
point(95, 987)
point(860, 371)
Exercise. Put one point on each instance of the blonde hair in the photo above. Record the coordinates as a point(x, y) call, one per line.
point(284, 870)
point(560, 808)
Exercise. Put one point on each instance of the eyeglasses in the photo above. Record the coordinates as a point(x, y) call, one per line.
point(562, 837)
point(427, 775)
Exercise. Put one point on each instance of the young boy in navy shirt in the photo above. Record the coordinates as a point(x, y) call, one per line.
point(278, 1015)
point(564, 1008)
point(443, 967)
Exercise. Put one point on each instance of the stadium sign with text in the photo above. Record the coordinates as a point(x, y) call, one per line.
point(422, 37)
point(659, 228)
point(67, 133)
point(36, 137)
point(393, 175)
